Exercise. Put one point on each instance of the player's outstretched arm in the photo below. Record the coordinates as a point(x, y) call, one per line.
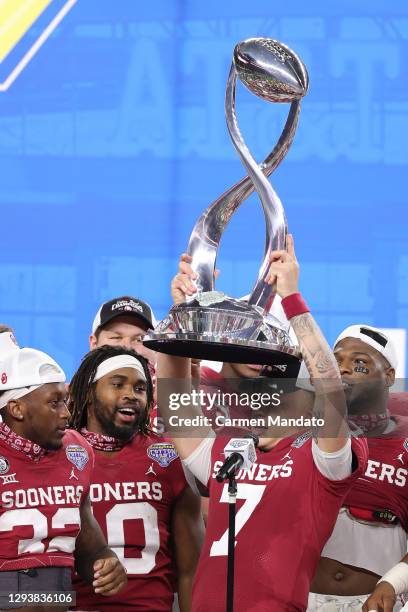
point(330, 402)
point(188, 533)
point(174, 374)
point(95, 562)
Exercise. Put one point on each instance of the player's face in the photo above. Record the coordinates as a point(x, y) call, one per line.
point(126, 331)
point(45, 415)
point(364, 370)
point(120, 403)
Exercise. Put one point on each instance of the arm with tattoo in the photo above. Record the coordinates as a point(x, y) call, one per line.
point(330, 401)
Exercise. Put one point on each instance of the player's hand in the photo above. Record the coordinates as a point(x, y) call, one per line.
point(109, 576)
point(284, 270)
point(182, 285)
point(382, 598)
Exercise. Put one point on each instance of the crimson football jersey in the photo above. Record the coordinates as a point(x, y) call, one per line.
point(384, 484)
point(40, 501)
point(286, 511)
point(398, 403)
point(133, 495)
point(209, 376)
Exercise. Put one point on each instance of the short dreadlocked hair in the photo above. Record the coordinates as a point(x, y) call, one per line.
point(82, 387)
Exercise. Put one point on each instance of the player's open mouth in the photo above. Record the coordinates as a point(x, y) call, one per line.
point(127, 414)
point(255, 367)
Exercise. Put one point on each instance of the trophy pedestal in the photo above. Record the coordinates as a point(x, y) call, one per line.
point(216, 327)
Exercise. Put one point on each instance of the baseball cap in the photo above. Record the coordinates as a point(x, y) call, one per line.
point(27, 367)
point(120, 306)
point(7, 343)
point(373, 337)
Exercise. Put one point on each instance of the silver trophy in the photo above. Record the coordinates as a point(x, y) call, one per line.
point(212, 325)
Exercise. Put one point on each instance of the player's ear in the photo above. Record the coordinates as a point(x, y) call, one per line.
point(15, 410)
point(93, 342)
point(90, 398)
point(390, 376)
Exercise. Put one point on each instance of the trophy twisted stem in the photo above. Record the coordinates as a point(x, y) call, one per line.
point(262, 295)
point(272, 71)
point(207, 232)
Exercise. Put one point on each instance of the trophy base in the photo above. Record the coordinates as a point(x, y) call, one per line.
point(228, 350)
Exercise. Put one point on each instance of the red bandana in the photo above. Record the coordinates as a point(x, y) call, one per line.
point(30, 449)
point(101, 441)
point(368, 422)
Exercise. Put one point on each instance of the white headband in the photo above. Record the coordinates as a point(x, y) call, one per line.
point(117, 362)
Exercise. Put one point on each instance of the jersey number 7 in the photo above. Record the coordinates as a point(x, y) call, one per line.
point(252, 495)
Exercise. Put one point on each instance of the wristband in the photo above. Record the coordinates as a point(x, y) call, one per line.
point(294, 305)
point(397, 576)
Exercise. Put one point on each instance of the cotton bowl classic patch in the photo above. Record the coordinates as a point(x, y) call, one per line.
point(78, 455)
point(300, 440)
point(163, 453)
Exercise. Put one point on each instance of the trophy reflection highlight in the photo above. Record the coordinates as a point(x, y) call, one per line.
point(213, 325)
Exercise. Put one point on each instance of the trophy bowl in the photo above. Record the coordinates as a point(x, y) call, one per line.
point(227, 330)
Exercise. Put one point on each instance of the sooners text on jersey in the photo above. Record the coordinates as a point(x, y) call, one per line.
point(384, 484)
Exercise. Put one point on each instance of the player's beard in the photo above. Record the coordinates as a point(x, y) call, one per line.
point(109, 428)
point(52, 446)
point(361, 395)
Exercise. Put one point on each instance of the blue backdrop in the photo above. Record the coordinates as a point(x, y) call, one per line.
point(113, 140)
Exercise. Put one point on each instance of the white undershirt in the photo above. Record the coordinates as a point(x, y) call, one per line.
point(199, 461)
point(356, 543)
point(334, 466)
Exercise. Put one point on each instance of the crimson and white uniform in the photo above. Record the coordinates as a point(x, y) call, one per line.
point(40, 501)
point(133, 494)
point(371, 529)
point(384, 485)
point(286, 510)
